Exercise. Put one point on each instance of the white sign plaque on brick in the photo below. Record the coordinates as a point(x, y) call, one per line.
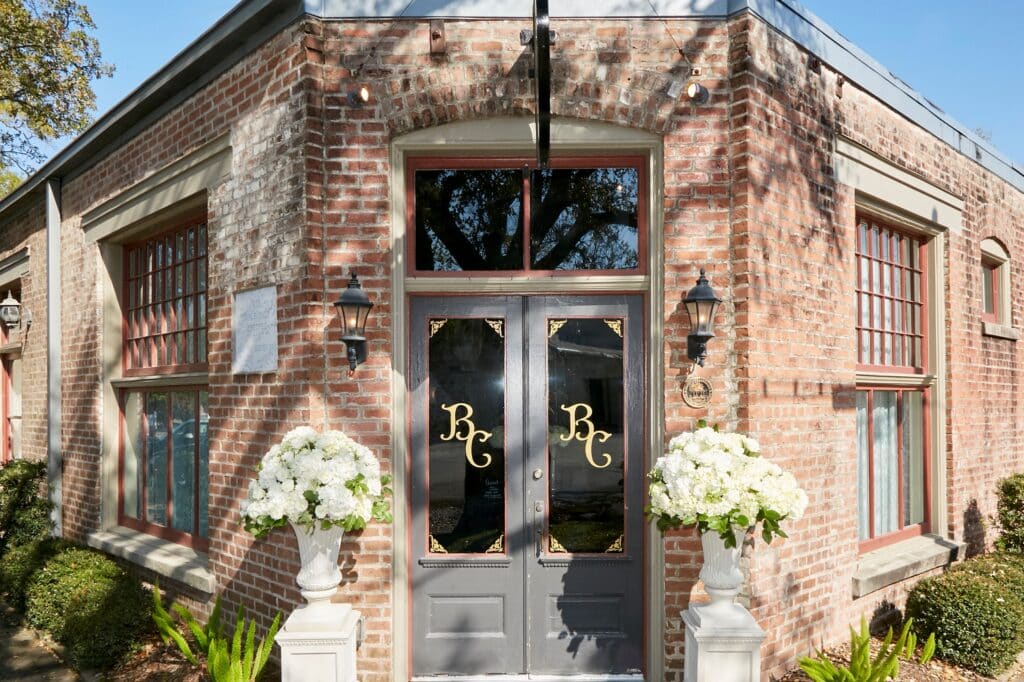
point(254, 331)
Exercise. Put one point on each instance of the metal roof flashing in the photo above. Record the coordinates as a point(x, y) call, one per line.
point(251, 21)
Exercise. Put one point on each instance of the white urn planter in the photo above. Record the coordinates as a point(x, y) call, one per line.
point(319, 575)
point(721, 570)
point(318, 579)
point(723, 641)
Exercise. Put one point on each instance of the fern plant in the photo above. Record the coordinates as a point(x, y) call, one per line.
point(238, 659)
point(885, 665)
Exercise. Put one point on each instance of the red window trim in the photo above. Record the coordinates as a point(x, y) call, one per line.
point(516, 162)
point(160, 369)
point(993, 266)
point(903, 532)
point(192, 540)
point(922, 260)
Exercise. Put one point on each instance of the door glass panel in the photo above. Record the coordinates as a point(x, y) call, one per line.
point(586, 435)
point(469, 220)
point(585, 219)
point(466, 385)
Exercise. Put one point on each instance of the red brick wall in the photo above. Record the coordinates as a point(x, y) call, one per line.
point(794, 225)
point(748, 192)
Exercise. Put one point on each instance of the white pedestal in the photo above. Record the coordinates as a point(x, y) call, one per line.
point(723, 644)
point(320, 648)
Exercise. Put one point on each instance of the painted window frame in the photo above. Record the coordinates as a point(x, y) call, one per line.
point(996, 259)
point(189, 539)
point(896, 378)
point(173, 377)
point(498, 160)
point(911, 299)
point(133, 334)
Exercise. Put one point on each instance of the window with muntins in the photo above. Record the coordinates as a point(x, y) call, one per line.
point(891, 316)
point(165, 291)
point(892, 416)
point(164, 462)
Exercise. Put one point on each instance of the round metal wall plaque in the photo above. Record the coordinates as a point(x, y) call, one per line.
point(697, 392)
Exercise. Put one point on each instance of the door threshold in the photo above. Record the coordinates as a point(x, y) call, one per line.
point(530, 678)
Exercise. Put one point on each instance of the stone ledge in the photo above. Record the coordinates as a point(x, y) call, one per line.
point(897, 562)
point(1000, 331)
point(168, 559)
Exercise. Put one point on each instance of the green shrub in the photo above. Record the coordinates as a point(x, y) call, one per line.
point(1006, 568)
point(90, 604)
point(24, 512)
point(20, 563)
point(1010, 512)
point(978, 620)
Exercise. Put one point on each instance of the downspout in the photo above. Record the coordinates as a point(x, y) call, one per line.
point(54, 456)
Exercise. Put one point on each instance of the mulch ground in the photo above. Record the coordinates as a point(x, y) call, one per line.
point(156, 662)
point(934, 671)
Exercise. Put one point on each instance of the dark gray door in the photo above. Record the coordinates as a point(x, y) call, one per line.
point(527, 464)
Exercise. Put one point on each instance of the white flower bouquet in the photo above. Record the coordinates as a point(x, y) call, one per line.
point(316, 480)
point(719, 481)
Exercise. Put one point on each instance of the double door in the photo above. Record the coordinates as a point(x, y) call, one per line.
point(526, 468)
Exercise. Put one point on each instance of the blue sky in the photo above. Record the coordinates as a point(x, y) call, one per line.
point(964, 55)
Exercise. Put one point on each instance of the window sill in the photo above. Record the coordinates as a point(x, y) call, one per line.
point(897, 562)
point(165, 558)
point(1000, 331)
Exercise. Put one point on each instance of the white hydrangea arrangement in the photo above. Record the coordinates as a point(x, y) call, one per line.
point(316, 480)
point(719, 481)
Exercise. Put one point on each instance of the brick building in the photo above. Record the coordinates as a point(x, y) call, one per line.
point(862, 241)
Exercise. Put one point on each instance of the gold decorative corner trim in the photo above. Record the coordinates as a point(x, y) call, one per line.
point(498, 546)
point(615, 547)
point(615, 326)
point(556, 546)
point(554, 326)
point(435, 326)
point(436, 547)
point(497, 325)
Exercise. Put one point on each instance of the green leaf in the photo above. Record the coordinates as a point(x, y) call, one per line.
point(929, 649)
point(249, 652)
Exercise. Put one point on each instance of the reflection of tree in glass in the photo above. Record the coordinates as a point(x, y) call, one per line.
point(587, 220)
point(469, 220)
point(583, 219)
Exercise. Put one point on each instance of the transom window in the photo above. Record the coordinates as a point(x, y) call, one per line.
point(164, 460)
point(890, 298)
point(477, 215)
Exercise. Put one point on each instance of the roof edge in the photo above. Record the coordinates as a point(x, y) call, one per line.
point(233, 31)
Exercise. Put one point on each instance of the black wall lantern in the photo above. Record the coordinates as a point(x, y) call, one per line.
point(701, 304)
point(353, 309)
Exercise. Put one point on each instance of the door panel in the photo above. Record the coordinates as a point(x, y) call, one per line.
point(526, 470)
point(466, 450)
point(585, 586)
